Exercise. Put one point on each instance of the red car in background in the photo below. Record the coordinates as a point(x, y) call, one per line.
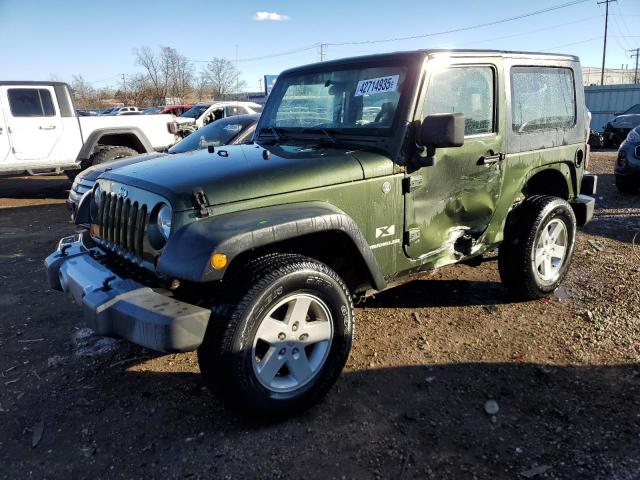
point(176, 110)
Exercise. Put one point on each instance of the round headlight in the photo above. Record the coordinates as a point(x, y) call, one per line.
point(163, 220)
point(97, 196)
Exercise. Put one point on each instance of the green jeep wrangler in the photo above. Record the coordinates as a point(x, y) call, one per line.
point(364, 172)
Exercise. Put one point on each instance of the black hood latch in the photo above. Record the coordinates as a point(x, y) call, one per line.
point(200, 201)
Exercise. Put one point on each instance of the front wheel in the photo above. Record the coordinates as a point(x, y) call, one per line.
point(538, 246)
point(281, 339)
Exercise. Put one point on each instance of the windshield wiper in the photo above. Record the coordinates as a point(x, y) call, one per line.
point(324, 131)
point(275, 131)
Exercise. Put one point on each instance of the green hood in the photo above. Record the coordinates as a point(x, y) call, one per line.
point(245, 172)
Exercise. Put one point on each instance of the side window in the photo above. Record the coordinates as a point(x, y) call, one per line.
point(231, 111)
point(542, 98)
point(30, 102)
point(468, 90)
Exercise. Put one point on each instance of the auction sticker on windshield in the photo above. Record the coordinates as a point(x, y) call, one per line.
point(377, 85)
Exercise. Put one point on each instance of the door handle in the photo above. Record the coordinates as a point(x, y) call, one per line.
point(492, 158)
point(48, 127)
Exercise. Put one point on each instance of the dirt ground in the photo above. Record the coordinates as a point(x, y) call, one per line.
point(565, 373)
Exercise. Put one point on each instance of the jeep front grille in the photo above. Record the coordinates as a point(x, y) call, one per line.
point(121, 224)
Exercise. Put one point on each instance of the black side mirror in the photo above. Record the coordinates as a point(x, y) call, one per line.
point(440, 130)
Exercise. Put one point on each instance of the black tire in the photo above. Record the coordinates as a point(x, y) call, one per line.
point(625, 185)
point(523, 230)
point(226, 357)
point(104, 154)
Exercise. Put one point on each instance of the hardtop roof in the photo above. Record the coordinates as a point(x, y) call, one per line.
point(435, 51)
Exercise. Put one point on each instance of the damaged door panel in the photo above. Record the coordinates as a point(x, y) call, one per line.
point(455, 198)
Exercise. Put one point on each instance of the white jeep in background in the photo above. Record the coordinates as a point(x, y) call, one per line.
point(202, 114)
point(40, 131)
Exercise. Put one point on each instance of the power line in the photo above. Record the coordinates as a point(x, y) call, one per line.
point(529, 32)
point(273, 55)
point(412, 37)
point(462, 29)
point(573, 43)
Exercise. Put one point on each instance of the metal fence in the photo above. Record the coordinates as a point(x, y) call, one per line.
point(604, 101)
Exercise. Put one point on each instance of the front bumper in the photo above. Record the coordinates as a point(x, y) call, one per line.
point(120, 307)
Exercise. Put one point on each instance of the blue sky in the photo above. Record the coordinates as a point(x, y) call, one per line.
point(41, 39)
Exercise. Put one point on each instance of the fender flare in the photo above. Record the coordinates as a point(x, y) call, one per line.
point(187, 253)
point(90, 143)
point(565, 168)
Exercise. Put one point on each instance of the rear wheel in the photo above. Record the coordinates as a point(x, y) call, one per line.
point(282, 337)
point(537, 248)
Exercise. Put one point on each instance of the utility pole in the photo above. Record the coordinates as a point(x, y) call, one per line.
point(323, 52)
point(606, 25)
point(237, 72)
point(124, 88)
point(635, 75)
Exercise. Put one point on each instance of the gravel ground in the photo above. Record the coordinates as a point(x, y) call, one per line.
point(432, 362)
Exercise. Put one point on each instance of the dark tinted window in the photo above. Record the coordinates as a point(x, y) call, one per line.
point(542, 98)
point(215, 134)
point(195, 111)
point(30, 102)
point(467, 90)
point(633, 110)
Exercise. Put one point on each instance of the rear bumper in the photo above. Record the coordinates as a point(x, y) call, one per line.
point(584, 204)
point(120, 307)
point(583, 207)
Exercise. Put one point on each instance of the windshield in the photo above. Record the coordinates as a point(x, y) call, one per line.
point(215, 134)
point(364, 100)
point(195, 111)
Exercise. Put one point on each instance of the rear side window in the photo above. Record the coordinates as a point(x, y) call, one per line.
point(542, 98)
point(468, 90)
point(30, 102)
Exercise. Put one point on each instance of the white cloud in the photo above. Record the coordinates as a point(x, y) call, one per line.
point(270, 16)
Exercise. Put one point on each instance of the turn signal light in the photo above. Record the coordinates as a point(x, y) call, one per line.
point(218, 261)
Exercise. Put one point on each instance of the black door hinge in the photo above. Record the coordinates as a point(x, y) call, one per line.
point(412, 183)
point(412, 236)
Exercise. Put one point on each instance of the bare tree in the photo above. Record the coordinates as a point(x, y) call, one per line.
point(202, 89)
point(169, 73)
point(84, 93)
point(178, 71)
point(152, 64)
point(222, 76)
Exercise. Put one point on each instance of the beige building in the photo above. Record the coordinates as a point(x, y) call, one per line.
point(612, 76)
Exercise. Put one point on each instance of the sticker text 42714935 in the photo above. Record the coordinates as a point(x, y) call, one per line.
point(377, 85)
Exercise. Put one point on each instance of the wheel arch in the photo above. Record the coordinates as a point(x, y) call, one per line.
point(554, 180)
point(131, 137)
point(314, 229)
